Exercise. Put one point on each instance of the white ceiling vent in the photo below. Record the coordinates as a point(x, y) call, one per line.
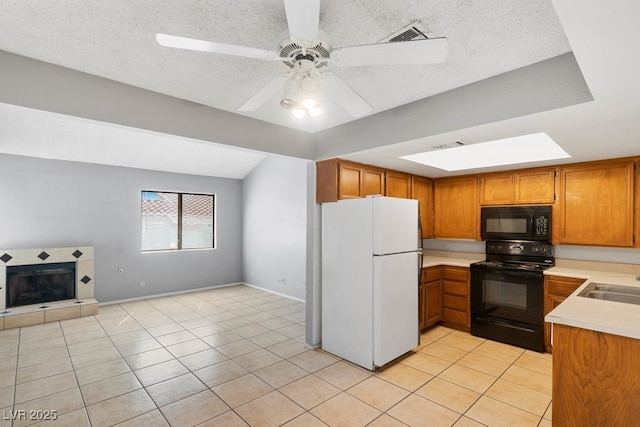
point(413, 31)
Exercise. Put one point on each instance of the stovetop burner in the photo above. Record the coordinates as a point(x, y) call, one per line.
point(519, 255)
point(514, 265)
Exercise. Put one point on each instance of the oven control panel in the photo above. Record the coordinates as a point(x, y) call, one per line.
point(500, 247)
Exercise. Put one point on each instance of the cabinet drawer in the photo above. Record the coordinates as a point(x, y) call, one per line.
point(564, 286)
point(431, 274)
point(458, 303)
point(454, 316)
point(455, 288)
point(459, 274)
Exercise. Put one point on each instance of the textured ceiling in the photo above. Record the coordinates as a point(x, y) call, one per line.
point(116, 39)
point(564, 67)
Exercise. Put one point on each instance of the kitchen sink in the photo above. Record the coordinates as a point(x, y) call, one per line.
point(618, 293)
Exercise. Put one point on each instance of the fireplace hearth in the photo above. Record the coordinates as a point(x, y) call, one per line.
point(40, 283)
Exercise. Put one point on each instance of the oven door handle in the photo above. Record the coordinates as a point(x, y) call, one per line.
point(504, 324)
point(526, 274)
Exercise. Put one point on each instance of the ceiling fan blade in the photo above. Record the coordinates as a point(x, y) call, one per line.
point(266, 93)
point(303, 17)
point(168, 40)
point(337, 90)
point(426, 51)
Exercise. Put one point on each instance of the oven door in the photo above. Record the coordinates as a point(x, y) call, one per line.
point(506, 306)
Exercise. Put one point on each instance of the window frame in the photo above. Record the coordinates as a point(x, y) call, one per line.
point(179, 223)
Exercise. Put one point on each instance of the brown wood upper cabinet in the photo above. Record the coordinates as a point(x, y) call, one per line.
point(422, 190)
point(397, 184)
point(338, 179)
point(520, 187)
point(456, 208)
point(497, 189)
point(596, 204)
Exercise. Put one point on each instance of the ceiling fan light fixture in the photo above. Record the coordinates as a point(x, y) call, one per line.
point(298, 113)
point(301, 96)
point(315, 111)
point(309, 102)
point(289, 98)
point(309, 93)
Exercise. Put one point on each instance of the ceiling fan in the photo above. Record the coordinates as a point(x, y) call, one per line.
point(306, 50)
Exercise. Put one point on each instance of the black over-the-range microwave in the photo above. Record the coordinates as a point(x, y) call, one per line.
point(516, 223)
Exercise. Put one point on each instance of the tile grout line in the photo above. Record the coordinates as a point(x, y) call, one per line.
point(84, 403)
point(129, 316)
point(131, 311)
point(193, 373)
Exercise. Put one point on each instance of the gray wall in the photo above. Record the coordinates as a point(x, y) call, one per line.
point(275, 226)
point(51, 203)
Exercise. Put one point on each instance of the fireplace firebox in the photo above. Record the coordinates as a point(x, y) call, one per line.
point(40, 283)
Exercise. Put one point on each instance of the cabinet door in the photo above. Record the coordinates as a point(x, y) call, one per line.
point(535, 186)
point(430, 296)
point(433, 302)
point(456, 208)
point(422, 190)
point(597, 204)
point(373, 181)
point(497, 189)
point(398, 184)
point(422, 305)
point(350, 181)
point(327, 181)
point(550, 302)
point(556, 290)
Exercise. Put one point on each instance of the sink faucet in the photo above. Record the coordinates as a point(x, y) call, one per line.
point(638, 277)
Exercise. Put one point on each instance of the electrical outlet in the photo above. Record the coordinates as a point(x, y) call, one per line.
point(143, 283)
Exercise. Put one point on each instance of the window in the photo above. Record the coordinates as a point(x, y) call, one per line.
point(174, 221)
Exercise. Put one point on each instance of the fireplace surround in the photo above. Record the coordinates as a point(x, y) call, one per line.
point(32, 289)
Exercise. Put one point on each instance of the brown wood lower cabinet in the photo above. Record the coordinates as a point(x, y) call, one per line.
point(430, 297)
point(556, 290)
point(596, 378)
point(455, 297)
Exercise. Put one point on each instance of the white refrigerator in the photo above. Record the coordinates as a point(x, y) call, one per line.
point(370, 269)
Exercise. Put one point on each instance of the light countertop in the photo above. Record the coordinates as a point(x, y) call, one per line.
point(598, 315)
point(434, 261)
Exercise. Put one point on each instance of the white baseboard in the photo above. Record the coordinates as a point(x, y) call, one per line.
point(188, 291)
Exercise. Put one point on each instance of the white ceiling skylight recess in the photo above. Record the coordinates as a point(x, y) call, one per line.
point(510, 151)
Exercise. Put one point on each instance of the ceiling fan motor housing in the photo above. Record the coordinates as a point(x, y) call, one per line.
point(291, 53)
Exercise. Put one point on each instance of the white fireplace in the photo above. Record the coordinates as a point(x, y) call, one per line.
point(78, 302)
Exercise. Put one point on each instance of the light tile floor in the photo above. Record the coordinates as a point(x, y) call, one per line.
point(235, 356)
